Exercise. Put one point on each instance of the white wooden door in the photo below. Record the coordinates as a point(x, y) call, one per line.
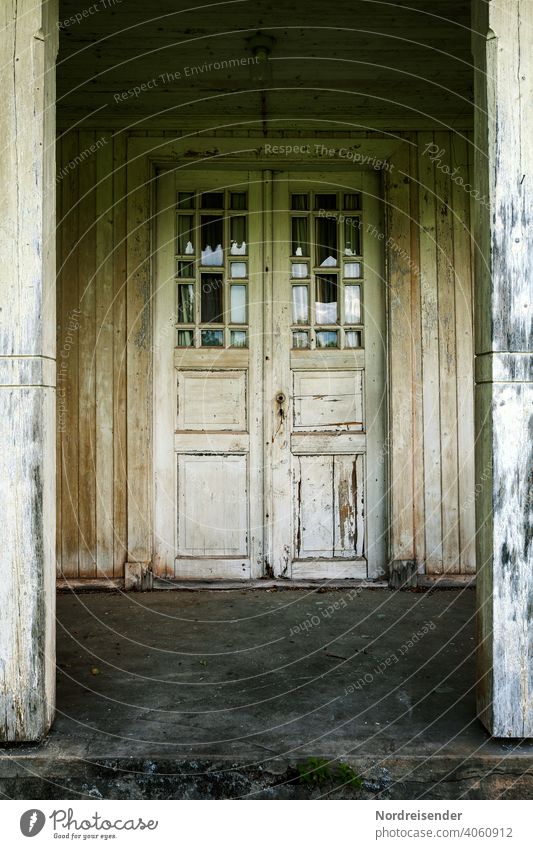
point(208, 404)
point(327, 462)
point(269, 376)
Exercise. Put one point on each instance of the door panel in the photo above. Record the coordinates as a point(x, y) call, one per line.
point(326, 400)
point(207, 376)
point(327, 496)
point(211, 400)
point(213, 518)
point(328, 378)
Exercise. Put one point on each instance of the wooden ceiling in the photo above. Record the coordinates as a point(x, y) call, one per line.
point(368, 62)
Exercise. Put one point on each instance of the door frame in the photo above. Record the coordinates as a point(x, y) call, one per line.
point(238, 163)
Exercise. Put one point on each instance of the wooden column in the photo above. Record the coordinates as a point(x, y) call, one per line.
point(502, 38)
point(27, 368)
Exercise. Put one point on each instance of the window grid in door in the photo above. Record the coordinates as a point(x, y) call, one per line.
point(326, 268)
point(211, 267)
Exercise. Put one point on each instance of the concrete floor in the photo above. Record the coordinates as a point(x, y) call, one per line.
point(267, 694)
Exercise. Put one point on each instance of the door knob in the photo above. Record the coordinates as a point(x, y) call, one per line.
point(280, 401)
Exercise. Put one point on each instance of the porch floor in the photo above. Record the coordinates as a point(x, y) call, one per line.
point(231, 694)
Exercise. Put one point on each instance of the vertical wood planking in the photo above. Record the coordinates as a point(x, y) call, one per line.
point(430, 358)
point(67, 374)
point(400, 358)
point(465, 355)
point(104, 361)
point(166, 456)
point(119, 355)
point(59, 333)
point(86, 398)
point(139, 363)
point(447, 356)
point(418, 420)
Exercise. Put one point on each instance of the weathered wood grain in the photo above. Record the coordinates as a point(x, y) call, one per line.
point(504, 365)
point(416, 323)
point(104, 371)
point(27, 370)
point(430, 359)
point(447, 356)
point(401, 344)
point(139, 362)
point(86, 437)
point(70, 330)
point(464, 317)
point(120, 521)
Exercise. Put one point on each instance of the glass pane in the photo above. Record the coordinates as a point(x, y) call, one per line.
point(211, 240)
point(300, 304)
point(238, 235)
point(300, 238)
point(300, 339)
point(186, 338)
point(326, 299)
point(352, 201)
point(238, 304)
point(238, 200)
point(238, 339)
point(326, 242)
point(352, 339)
point(352, 304)
point(212, 338)
point(185, 234)
point(352, 237)
point(185, 269)
point(237, 269)
point(352, 269)
point(300, 202)
point(326, 339)
point(299, 269)
point(211, 300)
point(186, 200)
point(212, 200)
point(186, 304)
point(326, 201)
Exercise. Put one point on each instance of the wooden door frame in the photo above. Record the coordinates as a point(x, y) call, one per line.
point(144, 156)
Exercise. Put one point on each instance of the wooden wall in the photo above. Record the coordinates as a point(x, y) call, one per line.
point(431, 353)
point(91, 344)
point(430, 442)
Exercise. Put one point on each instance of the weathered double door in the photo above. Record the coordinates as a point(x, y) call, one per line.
point(269, 376)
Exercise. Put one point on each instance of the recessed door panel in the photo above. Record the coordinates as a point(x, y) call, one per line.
point(328, 497)
point(213, 506)
point(212, 400)
point(314, 507)
point(328, 400)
